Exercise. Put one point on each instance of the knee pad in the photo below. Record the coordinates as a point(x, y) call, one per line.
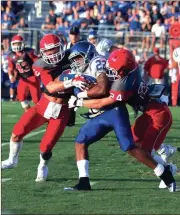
point(46, 155)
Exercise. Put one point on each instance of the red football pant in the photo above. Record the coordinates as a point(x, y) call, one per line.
point(175, 91)
point(33, 119)
point(150, 129)
point(31, 84)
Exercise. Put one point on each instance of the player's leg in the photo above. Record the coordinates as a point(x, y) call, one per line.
point(92, 131)
point(29, 121)
point(125, 139)
point(12, 91)
point(34, 87)
point(53, 132)
point(139, 128)
point(22, 92)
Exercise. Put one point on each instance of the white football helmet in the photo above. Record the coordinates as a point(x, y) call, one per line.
point(176, 55)
point(104, 46)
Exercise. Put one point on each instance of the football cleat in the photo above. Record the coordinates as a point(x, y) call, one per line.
point(83, 185)
point(7, 164)
point(42, 173)
point(172, 187)
point(173, 169)
point(168, 152)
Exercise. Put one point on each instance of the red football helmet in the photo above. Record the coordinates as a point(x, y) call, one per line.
point(51, 49)
point(17, 43)
point(120, 63)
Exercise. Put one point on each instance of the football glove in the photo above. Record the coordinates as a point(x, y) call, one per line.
point(75, 102)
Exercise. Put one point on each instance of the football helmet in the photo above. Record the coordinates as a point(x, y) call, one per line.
point(17, 43)
point(80, 56)
point(104, 46)
point(51, 43)
point(120, 63)
point(176, 55)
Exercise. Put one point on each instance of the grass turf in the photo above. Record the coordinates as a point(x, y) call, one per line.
point(121, 185)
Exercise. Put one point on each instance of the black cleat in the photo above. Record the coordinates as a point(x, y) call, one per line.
point(82, 185)
point(168, 179)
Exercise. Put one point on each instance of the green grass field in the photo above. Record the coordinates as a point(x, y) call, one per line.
point(120, 184)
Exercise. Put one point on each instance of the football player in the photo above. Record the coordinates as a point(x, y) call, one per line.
point(52, 108)
point(20, 62)
point(148, 131)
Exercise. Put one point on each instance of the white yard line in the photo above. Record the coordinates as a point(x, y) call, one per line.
point(10, 115)
point(27, 136)
point(5, 179)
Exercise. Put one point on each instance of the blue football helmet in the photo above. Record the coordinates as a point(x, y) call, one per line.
point(80, 56)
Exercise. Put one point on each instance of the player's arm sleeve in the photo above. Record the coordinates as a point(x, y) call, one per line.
point(98, 103)
point(120, 91)
point(101, 88)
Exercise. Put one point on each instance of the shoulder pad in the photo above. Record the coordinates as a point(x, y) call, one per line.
point(41, 64)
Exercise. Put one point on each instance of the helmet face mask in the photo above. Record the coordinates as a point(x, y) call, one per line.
point(112, 73)
point(78, 63)
point(81, 55)
point(51, 49)
point(17, 43)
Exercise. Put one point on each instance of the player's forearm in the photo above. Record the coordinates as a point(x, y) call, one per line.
point(97, 91)
point(97, 103)
point(54, 87)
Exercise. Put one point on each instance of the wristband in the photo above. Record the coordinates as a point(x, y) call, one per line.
point(67, 84)
point(82, 95)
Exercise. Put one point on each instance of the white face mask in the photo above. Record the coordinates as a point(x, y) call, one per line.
point(55, 57)
point(17, 46)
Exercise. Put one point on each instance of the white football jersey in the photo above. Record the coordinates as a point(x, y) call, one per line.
point(96, 67)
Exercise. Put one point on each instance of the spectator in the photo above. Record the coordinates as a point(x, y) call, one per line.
point(118, 18)
point(48, 25)
point(52, 17)
point(166, 25)
point(59, 7)
point(21, 24)
point(10, 14)
point(6, 25)
point(146, 27)
point(134, 24)
point(158, 32)
point(59, 23)
point(155, 68)
point(155, 15)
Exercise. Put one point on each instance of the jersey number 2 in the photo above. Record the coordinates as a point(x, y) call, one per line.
point(100, 64)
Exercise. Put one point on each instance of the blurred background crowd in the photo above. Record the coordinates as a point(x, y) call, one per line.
point(138, 25)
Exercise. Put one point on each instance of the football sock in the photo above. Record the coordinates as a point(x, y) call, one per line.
point(83, 168)
point(159, 170)
point(42, 161)
point(15, 148)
